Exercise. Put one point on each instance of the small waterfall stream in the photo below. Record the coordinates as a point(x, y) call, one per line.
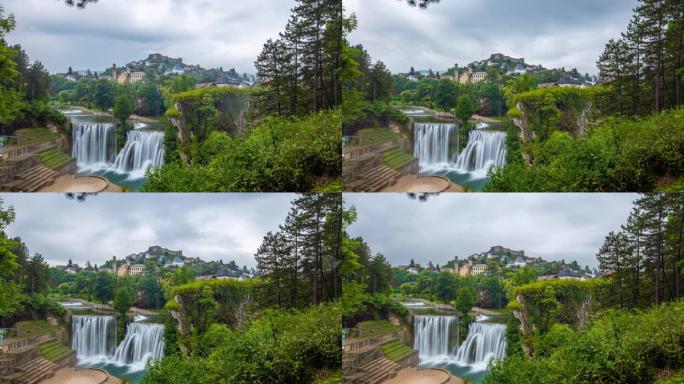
point(94, 147)
point(94, 340)
point(433, 336)
point(143, 342)
point(432, 144)
point(485, 149)
point(485, 342)
point(435, 142)
point(93, 337)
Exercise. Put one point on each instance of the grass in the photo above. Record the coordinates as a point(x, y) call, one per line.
point(54, 350)
point(396, 351)
point(33, 136)
point(374, 136)
point(54, 158)
point(396, 158)
point(376, 328)
point(34, 328)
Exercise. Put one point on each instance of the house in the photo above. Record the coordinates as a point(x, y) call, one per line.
point(136, 77)
point(72, 269)
point(519, 262)
point(464, 78)
point(177, 262)
point(478, 77)
point(413, 270)
point(136, 269)
point(478, 269)
point(70, 78)
point(568, 82)
point(226, 82)
point(520, 69)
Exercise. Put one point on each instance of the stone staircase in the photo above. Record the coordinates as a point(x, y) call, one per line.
point(34, 371)
point(378, 370)
point(377, 178)
point(33, 179)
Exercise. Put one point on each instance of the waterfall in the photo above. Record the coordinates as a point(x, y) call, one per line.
point(432, 144)
point(143, 149)
point(143, 342)
point(485, 149)
point(485, 342)
point(94, 147)
point(93, 144)
point(93, 337)
point(94, 340)
point(433, 334)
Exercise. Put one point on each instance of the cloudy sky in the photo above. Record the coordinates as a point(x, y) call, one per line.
point(212, 33)
point(209, 226)
point(554, 33)
point(552, 226)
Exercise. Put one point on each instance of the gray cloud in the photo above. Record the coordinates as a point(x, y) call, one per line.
point(211, 33)
point(552, 226)
point(209, 226)
point(552, 33)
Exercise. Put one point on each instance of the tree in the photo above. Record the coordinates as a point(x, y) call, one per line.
point(465, 300)
point(466, 107)
point(103, 284)
point(103, 94)
point(10, 102)
point(123, 106)
point(123, 300)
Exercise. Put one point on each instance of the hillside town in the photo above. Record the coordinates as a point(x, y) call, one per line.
point(156, 258)
point(500, 258)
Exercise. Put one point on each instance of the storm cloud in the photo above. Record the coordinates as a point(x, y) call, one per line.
point(552, 33)
point(211, 33)
point(210, 226)
point(552, 226)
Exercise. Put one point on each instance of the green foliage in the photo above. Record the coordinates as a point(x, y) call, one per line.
point(620, 347)
point(466, 106)
point(279, 347)
point(202, 303)
point(396, 351)
point(103, 94)
point(465, 300)
point(123, 106)
point(547, 302)
point(54, 158)
point(123, 300)
point(281, 154)
point(620, 155)
point(375, 328)
point(54, 350)
point(547, 110)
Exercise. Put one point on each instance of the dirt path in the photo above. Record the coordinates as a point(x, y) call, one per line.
point(422, 376)
point(73, 183)
point(416, 183)
point(81, 376)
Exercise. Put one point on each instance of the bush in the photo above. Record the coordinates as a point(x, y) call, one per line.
point(281, 154)
point(631, 155)
point(280, 347)
point(621, 347)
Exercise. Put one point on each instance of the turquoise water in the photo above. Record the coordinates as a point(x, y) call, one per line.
point(466, 373)
point(120, 372)
point(466, 180)
point(122, 180)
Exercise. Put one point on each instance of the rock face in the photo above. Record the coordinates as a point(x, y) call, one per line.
point(579, 125)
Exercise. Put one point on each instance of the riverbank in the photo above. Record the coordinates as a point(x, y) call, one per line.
point(423, 376)
point(82, 184)
point(132, 118)
point(81, 376)
point(424, 184)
